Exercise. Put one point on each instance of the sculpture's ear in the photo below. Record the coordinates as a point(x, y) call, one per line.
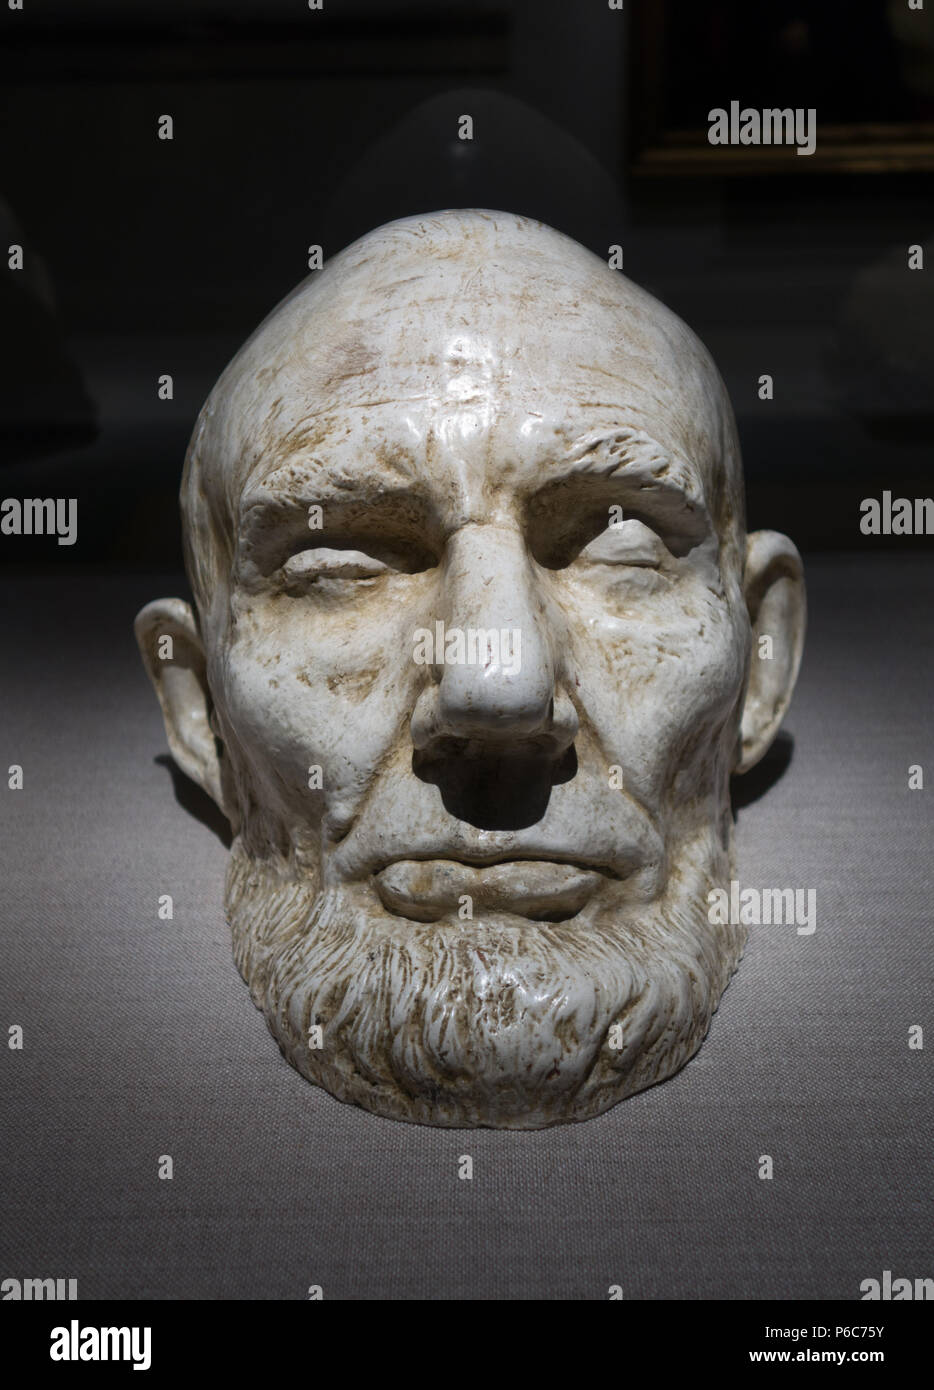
point(774, 589)
point(174, 659)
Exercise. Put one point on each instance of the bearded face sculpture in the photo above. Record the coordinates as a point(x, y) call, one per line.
point(473, 659)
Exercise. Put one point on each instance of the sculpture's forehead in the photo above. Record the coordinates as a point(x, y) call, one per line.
point(493, 362)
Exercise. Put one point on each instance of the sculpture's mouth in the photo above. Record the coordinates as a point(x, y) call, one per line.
point(544, 890)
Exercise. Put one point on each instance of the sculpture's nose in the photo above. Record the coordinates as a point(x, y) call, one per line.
point(493, 654)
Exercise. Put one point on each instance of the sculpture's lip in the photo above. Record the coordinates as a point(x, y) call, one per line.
point(479, 860)
point(433, 889)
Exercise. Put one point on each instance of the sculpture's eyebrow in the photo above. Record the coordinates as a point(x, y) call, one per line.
point(382, 502)
point(603, 453)
point(628, 459)
point(292, 487)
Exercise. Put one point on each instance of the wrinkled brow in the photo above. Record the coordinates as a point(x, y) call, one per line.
point(620, 458)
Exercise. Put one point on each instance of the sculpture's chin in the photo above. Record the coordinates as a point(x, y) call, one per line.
point(516, 1028)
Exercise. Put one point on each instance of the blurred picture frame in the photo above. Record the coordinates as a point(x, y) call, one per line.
point(866, 67)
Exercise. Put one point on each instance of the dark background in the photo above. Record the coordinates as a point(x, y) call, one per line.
point(295, 127)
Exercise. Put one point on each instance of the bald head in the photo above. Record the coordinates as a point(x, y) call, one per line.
point(480, 330)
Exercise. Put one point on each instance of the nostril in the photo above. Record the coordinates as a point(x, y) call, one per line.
point(505, 790)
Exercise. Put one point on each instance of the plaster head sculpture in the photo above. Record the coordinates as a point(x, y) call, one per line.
point(472, 662)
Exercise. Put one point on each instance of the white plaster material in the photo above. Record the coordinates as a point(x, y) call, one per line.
point(473, 658)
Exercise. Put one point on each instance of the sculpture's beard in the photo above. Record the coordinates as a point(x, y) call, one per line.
point(474, 1024)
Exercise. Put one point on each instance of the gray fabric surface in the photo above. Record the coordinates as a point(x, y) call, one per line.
point(140, 1038)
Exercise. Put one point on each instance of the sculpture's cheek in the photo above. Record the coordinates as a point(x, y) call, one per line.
point(315, 714)
point(659, 683)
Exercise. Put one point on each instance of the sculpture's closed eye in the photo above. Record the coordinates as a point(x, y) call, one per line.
point(323, 562)
point(626, 542)
point(601, 535)
point(342, 562)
